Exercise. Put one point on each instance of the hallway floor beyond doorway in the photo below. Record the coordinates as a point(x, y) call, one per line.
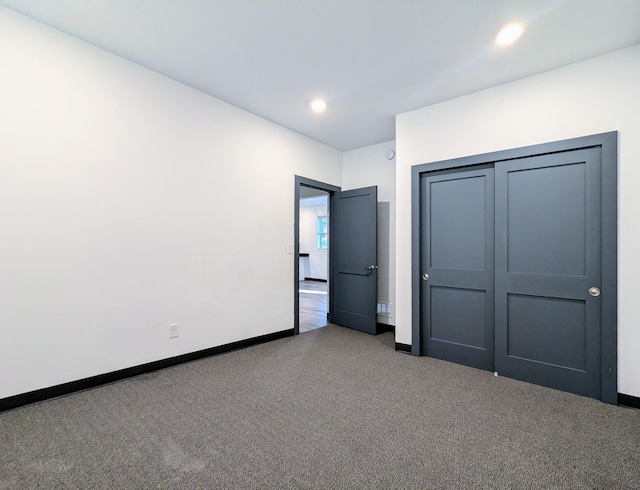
point(313, 305)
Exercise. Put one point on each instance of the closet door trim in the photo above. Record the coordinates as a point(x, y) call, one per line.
point(608, 143)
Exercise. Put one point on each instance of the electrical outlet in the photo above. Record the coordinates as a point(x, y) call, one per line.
point(384, 309)
point(289, 248)
point(173, 330)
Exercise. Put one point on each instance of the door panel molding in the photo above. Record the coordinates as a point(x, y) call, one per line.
point(608, 145)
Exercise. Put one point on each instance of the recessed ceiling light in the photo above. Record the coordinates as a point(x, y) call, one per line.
point(509, 34)
point(318, 105)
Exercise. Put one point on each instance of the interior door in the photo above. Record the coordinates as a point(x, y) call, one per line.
point(548, 270)
point(457, 264)
point(353, 232)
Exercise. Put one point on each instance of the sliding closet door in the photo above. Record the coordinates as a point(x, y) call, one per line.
point(548, 270)
point(457, 266)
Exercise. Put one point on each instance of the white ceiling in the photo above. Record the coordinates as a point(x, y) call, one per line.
point(313, 201)
point(370, 59)
point(306, 192)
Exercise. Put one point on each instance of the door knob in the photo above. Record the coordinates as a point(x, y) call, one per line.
point(372, 267)
point(594, 291)
point(425, 276)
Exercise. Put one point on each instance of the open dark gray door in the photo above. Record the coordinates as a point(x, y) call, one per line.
point(548, 270)
point(353, 234)
point(457, 266)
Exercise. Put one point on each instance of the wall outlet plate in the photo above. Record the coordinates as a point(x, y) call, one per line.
point(173, 330)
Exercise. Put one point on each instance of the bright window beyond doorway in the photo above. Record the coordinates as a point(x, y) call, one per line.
point(323, 231)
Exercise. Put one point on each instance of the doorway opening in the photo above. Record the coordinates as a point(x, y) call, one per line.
point(348, 230)
point(312, 254)
point(313, 258)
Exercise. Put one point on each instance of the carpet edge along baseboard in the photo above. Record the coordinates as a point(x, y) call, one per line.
point(22, 399)
point(623, 400)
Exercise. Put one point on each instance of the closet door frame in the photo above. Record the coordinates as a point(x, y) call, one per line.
point(608, 142)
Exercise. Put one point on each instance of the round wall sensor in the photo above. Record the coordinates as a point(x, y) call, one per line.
point(390, 154)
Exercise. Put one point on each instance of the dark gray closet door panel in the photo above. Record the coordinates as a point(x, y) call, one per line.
point(547, 223)
point(457, 228)
point(453, 311)
point(562, 341)
point(457, 255)
point(548, 255)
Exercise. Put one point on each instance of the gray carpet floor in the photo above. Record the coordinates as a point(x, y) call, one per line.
point(330, 408)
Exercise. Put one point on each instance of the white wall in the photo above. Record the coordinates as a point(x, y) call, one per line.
point(318, 263)
point(366, 167)
point(602, 94)
point(128, 202)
